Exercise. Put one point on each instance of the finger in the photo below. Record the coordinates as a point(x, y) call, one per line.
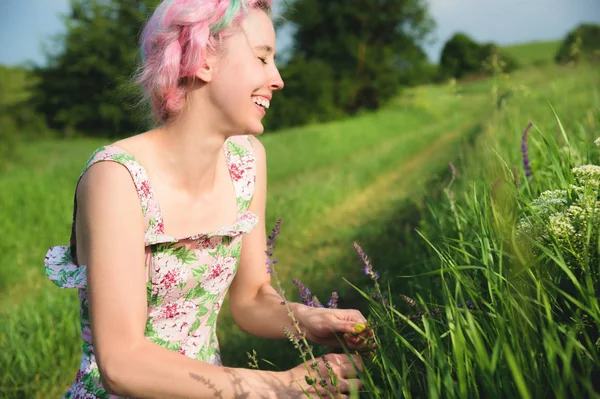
point(356, 346)
point(335, 394)
point(344, 365)
point(357, 342)
point(332, 392)
point(360, 330)
point(344, 326)
point(351, 342)
point(350, 385)
point(350, 315)
point(363, 336)
point(355, 329)
point(351, 366)
point(356, 362)
point(341, 358)
point(368, 333)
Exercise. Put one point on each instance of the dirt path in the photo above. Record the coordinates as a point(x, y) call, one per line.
point(387, 188)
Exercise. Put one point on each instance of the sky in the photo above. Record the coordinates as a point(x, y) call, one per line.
point(25, 25)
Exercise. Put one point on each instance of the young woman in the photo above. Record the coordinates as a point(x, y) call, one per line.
point(167, 222)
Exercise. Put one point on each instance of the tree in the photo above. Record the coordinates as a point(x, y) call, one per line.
point(462, 56)
point(85, 86)
point(307, 97)
point(582, 42)
point(371, 45)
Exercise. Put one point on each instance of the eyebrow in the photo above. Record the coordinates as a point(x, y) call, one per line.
point(265, 47)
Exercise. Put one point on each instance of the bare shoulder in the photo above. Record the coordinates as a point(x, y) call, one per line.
point(106, 179)
point(109, 213)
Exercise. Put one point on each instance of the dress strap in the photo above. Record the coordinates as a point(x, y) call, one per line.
point(150, 209)
point(241, 161)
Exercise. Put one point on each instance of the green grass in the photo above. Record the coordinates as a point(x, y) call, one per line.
point(534, 53)
point(361, 179)
point(329, 167)
point(535, 329)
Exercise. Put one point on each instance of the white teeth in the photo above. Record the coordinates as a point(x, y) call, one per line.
point(263, 102)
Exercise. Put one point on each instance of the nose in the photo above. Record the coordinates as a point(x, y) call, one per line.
point(276, 81)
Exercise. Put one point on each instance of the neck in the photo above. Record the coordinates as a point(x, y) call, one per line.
point(190, 148)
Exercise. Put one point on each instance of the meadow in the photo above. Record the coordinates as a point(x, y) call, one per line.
point(533, 53)
point(466, 315)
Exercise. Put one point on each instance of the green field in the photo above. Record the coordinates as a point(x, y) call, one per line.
point(371, 179)
point(533, 53)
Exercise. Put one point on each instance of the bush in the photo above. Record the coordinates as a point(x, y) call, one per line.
point(462, 56)
point(582, 42)
point(459, 56)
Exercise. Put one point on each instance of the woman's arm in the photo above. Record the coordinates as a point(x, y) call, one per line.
point(110, 241)
point(255, 305)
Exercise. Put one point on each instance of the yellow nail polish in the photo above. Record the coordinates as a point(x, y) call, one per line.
point(358, 328)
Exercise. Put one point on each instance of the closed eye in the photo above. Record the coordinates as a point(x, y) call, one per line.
point(263, 60)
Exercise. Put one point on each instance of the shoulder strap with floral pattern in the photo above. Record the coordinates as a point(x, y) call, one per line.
point(241, 161)
point(140, 179)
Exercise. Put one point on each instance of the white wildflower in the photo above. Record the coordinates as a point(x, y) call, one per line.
point(548, 202)
point(564, 217)
point(525, 225)
point(577, 190)
point(560, 226)
point(587, 174)
point(597, 142)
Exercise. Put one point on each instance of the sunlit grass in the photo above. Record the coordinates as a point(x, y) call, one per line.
point(360, 179)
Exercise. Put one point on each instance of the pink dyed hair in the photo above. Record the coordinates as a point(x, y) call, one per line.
point(173, 44)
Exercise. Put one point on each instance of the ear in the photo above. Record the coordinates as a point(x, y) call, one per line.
point(207, 70)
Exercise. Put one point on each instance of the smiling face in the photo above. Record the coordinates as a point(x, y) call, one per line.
point(244, 76)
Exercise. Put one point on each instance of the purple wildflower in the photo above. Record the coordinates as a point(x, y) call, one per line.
point(271, 245)
point(368, 266)
point(524, 150)
point(332, 304)
point(303, 292)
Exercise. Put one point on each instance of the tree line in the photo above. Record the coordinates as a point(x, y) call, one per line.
point(347, 56)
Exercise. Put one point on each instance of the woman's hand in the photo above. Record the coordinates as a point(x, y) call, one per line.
point(330, 326)
point(339, 374)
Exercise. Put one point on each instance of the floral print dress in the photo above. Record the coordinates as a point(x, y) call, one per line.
point(186, 278)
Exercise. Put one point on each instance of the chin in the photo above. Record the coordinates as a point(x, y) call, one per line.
point(255, 129)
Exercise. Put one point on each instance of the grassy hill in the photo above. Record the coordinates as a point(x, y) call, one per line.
point(534, 53)
point(362, 179)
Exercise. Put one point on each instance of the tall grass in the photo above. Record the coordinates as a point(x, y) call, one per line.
point(495, 313)
point(317, 176)
point(360, 179)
